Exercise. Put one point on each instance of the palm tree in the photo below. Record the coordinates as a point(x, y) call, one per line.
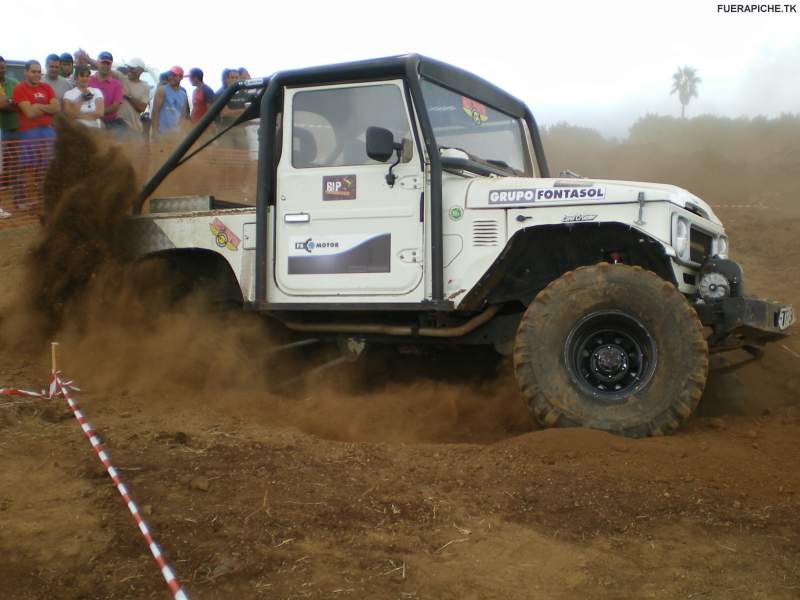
point(685, 82)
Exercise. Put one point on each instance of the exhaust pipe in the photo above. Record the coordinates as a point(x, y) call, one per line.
point(377, 328)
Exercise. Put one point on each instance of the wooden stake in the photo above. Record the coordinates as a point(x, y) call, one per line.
point(54, 355)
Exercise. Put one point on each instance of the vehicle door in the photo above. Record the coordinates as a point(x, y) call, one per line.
point(340, 228)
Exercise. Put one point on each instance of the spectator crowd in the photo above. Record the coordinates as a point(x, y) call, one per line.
point(96, 95)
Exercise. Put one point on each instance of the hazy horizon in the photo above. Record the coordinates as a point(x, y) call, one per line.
point(597, 65)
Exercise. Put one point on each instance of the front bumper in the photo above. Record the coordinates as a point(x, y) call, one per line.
point(751, 320)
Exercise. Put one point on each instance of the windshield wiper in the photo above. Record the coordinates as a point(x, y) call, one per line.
point(504, 165)
point(467, 164)
point(476, 164)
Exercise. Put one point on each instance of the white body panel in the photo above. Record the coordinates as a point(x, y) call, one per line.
point(201, 231)
point(484, 228)
point(475, 232)
point(343, 231)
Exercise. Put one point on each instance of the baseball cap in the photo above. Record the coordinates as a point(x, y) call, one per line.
point(66, 57)
point(176, 71)
point(105, 55)
point(136, 63)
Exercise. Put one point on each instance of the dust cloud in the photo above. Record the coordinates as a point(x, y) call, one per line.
point(121, 334)
point(87, 192)
point(120, 337)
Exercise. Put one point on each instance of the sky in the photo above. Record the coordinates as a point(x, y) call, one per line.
point(599, 64)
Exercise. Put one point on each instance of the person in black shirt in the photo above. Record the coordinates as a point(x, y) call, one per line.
point(236, 138)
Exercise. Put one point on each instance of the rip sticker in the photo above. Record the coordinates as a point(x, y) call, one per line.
point(339, 187)
point(223, 236)
point(475, 110)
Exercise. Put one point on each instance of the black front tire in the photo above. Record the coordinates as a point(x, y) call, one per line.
point(611, 347)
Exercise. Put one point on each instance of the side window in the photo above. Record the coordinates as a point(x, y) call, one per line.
point(329, 127)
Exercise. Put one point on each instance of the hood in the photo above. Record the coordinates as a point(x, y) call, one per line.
point(520, 192)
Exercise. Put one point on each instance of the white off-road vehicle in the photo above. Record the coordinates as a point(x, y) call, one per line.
point(405, 201)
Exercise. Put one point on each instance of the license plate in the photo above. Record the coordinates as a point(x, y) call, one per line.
point(785, 317)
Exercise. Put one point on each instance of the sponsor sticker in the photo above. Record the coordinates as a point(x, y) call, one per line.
point(528, 195)
point(339, 187)
point(310, 244)
point(785, 317)
point(475, 110)
point(325, 245)
point(223, 236)
point(340, 254)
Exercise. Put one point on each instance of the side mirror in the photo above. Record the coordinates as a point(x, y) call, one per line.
point(380, 144)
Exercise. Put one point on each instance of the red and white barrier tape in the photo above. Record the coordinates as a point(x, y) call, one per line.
point(16, 392)
point(790, 351)
point(48, 394)
point(63, 388)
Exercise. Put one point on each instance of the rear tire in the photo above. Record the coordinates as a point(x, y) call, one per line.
point(611, 347)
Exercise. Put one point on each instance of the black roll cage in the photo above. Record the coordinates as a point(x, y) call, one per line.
point(268, 98)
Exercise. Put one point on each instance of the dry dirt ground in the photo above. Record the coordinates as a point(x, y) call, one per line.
point(374, 486)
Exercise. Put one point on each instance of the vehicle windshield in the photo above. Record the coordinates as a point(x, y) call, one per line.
point(486, 134)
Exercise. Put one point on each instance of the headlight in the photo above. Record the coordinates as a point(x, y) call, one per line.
point(722, 247)
point(680, 237)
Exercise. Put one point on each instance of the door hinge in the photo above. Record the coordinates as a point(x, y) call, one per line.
point(410, 182)
point(410, 255)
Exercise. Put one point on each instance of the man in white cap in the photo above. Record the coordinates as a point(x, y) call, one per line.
point(136, 95)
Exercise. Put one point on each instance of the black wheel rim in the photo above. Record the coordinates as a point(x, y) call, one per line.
point(610, 355)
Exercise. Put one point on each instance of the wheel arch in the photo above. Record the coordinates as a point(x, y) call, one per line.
point(535, 256)
point(200, 268)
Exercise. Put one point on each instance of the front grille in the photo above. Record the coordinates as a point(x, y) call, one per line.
point(484, 233)
point(699, 246)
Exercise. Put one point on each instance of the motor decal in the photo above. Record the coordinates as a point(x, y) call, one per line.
point(345, 254)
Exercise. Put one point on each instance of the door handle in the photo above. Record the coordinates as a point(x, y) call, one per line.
point(297, 218)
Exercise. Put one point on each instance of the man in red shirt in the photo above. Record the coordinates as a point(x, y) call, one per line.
point(36, 103)
point(203, 95)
